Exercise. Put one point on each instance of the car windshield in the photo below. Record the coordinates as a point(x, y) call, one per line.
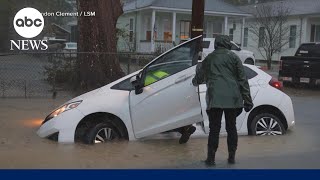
point(71, 46)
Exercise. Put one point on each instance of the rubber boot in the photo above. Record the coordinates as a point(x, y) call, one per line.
point(231, 159)
point(211, 154)
point(186, 134)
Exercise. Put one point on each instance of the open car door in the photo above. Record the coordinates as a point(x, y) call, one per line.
point(167, 99)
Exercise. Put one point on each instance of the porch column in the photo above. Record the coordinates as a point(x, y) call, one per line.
point(174, 19)
point(153, 21)
point(305, 36)
point(242, 31)
point(226, 30)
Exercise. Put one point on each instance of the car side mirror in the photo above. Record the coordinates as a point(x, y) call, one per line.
point(239, 49)
point(137, 84)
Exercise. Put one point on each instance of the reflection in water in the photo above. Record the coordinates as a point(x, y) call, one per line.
point(148, 153)
point(32, 123)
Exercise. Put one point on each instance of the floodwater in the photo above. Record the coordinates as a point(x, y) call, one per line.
point(20, 147)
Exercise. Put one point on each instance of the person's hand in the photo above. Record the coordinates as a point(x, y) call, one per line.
point(194, 82)
point(248, 106)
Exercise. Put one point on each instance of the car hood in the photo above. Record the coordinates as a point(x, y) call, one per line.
point(87, 95)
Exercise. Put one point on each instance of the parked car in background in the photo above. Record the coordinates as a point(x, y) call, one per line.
point(247, 57)
point(131, 109)
point(70, 49)
point(303, 67)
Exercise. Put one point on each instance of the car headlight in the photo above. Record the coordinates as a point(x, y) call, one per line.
point(62, 109)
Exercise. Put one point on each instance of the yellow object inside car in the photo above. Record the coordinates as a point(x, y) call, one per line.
point(154, 76)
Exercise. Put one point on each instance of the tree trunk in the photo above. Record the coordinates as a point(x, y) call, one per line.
point(269, 64)
point(4, 26)
point(269, 60)
point(99, 64)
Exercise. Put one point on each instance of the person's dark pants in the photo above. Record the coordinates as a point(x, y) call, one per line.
point(215, 116)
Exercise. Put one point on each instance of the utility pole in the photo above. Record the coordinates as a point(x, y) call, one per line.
point(197, 24)
point(197, 18)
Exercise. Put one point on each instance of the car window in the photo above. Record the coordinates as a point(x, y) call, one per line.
point(234, 47)
point(124, 85)
point(206, 44)
point(309, 50)
point(250, 73)
point(171, 63)
point(72, 45)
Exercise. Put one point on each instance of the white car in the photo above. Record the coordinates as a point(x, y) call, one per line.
point(247, 57)
point(70, 49)
point(127, 109)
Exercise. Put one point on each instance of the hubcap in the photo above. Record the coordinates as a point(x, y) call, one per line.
point(268, 126)
point(105, 135)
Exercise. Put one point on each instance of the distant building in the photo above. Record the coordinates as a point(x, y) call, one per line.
point(153, 24)
point(162, 23)
point(304, 23)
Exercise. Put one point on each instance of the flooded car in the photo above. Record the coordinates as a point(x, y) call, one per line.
point(160, 98)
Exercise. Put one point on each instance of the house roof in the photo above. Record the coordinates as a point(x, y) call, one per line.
point(62, 28)
point(296, 7)
point(211, 7)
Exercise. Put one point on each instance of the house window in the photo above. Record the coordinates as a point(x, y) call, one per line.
point(245, 38)
point(315, 33)
point(167, 34)
point(262, 36)
point(131, 30)
point(293, 36)
point(231, 34)
point(217, 29)
point(148, 28)
point(184, 29)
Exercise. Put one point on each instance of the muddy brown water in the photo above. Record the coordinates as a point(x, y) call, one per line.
point(20, 147)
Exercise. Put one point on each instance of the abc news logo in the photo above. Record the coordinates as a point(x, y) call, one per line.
point(28, 23)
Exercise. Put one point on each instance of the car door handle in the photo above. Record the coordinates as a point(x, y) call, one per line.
point(183, 78)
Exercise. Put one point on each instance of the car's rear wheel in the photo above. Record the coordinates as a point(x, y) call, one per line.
point(102, 133)
point(267, 124)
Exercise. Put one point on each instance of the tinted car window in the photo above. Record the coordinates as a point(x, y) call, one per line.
point(309, 50)
point(173, 62)
point(250, 73)
point(234, 47)
point(124, 85)
point(205, 44)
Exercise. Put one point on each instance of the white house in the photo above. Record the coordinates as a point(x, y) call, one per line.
point(304, 23)
point(153, 24)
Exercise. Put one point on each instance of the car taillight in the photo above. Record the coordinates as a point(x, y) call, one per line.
point(276, 84)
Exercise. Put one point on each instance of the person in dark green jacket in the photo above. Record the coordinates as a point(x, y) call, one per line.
point(227, 92)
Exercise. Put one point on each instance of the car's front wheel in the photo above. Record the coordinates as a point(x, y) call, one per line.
point(267, 124)
point(102, 133)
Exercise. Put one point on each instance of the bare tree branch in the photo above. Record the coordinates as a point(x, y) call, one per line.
point(276, 35)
